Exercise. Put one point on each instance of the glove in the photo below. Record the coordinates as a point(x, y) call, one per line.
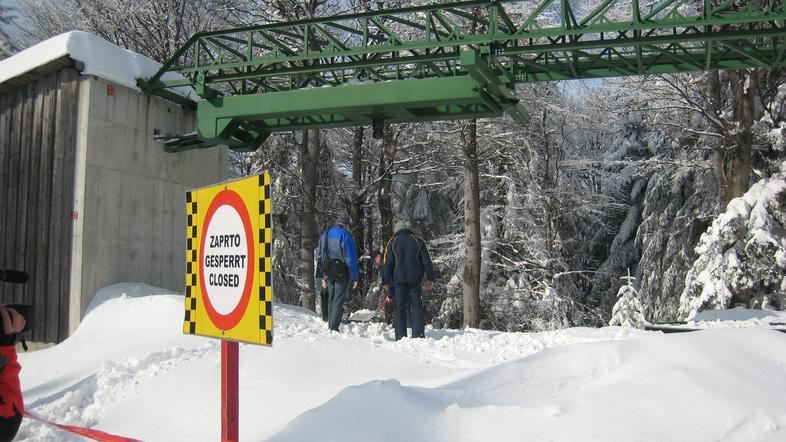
point(354, 284)
point(13, 324)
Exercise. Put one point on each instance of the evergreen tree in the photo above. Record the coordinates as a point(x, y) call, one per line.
point(742, 255)
point(628, 311)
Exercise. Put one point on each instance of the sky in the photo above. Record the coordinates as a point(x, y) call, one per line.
point(129, 370)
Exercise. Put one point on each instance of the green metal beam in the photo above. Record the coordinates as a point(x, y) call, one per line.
point(357, 104)
point(489, 44)
point(488, 81)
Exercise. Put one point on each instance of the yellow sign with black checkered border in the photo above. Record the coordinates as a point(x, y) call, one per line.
point(229, 261)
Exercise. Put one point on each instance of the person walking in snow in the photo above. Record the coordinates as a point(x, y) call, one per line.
point(406, 259)
point(338, 266)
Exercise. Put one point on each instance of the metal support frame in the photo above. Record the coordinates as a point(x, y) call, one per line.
point(495, 44)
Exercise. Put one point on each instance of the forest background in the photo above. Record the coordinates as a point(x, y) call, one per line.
point(530, 226)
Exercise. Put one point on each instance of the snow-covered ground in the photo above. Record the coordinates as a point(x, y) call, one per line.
point(129, 370)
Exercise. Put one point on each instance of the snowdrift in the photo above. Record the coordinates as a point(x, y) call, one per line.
point(129, 370)
point(657, 388)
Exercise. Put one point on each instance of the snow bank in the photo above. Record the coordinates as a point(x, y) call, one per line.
point(738, 318)
point(129, 370)
point(741, 314)
point(124, 290)
point(100, 58)
point(653, 388)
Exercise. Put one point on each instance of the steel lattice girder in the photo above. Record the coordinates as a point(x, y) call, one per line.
point(519, 41)
point(359, 104)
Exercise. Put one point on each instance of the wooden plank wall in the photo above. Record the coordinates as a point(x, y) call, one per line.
point(37, 147)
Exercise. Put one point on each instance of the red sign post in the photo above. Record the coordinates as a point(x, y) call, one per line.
point(229, 391)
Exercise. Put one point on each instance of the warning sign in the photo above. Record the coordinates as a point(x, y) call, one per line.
point(228, 261)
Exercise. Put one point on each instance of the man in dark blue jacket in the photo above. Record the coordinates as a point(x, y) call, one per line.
point(338, 265)
point(406, 260)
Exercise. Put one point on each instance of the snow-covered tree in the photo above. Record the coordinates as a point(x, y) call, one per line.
point(152, 28)
point(664, 166)
point(526, 282)
point(742, 255)
point(628, 311)
point(6, 18)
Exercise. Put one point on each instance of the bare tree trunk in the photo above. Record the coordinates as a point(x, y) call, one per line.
point(471, 275)
point(309, 157)
point(370, 232)
point(355, 302)
point(357, 194)
point(739, 161)
point(386, 158)
point(546, 192)
point(732, 157)
point(310, 163)
point(715, 103)
point(370, 270)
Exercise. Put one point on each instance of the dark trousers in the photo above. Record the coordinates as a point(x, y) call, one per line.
point(408, 293)
point(322, 296)
point(323, 299)
point(389, 312)
point(337, 293)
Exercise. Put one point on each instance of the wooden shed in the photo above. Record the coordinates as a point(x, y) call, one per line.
point(87, 197)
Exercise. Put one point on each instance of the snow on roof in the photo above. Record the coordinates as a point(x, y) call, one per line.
point(100, 58)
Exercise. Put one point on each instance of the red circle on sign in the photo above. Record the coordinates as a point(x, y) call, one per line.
point(231, 319)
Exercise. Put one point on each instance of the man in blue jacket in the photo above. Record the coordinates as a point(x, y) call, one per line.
point(338, 265)
point(406, 260)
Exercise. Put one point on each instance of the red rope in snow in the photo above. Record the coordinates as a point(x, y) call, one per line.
point(89, 433)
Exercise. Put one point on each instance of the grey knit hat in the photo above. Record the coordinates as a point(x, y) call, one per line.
point(401, 225)
point(344, 219)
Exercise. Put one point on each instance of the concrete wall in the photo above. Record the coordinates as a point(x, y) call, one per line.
point(131, 198)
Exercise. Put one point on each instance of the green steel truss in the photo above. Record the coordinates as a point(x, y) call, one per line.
point(448, 61)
